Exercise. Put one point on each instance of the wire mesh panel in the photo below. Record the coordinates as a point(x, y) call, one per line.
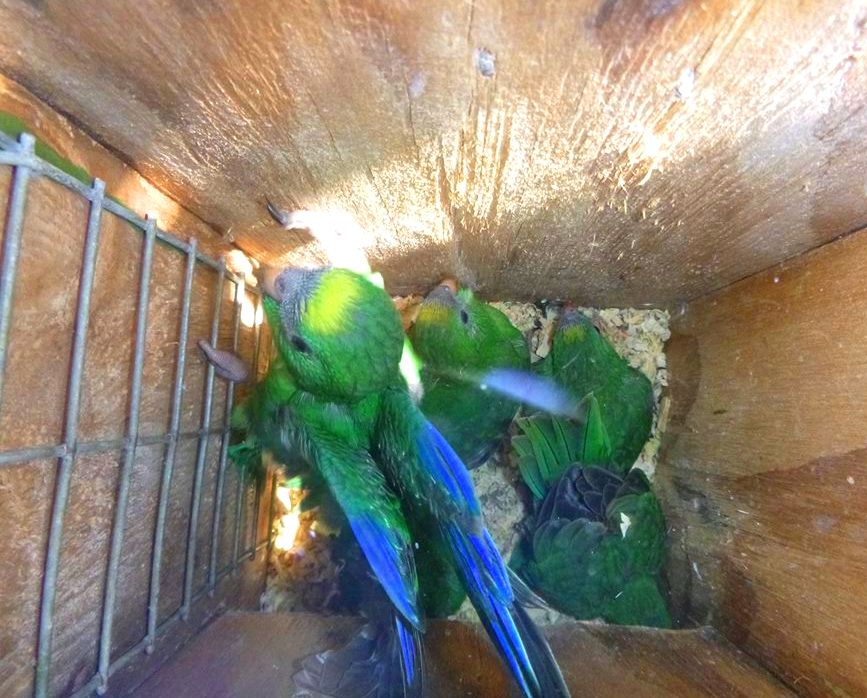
point(132, 454)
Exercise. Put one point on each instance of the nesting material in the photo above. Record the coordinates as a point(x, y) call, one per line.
point(303, 575)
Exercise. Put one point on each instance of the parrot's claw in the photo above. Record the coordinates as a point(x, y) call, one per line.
point(281, 217)
point(226, 364)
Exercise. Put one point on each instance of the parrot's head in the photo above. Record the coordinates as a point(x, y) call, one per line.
point(575, 326)
point(455, 330)
point(339, 334)
point(578, 333)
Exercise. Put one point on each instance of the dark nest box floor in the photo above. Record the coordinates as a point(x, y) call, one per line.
point(253, 655)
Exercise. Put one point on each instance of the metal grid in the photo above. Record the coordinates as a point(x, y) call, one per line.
point(20, 156)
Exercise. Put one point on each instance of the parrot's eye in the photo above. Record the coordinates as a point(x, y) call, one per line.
point(300, 344)
point(465, 318)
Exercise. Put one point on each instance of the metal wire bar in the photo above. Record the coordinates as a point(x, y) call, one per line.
point(10, 155)
point(240, 501)
point(23, 455)
point(12, 248)
point(240, 296)
point(128, 459)
point(70, 435)
point(257, 508)
point(189, 572)
point(240, 495)
point(141, 647)
point(257, 334)
point(171, 450)
point(271, 502)
point(20, 155)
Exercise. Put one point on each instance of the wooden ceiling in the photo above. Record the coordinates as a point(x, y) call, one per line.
point(612, 152)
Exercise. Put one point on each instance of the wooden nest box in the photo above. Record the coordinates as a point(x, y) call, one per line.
point(703, 157)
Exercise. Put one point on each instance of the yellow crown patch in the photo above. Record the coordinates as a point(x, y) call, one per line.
point(328, 305)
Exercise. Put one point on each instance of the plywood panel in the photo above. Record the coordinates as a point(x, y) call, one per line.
point(245, 654)
point(122, 182)
point(616, 153)
point(25, 505)
point(764, 472)
point(43, 316)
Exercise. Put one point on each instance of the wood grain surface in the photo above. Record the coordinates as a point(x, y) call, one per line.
point(611, 152)
point(33, 405)
point(243, 655)
point(765, 472)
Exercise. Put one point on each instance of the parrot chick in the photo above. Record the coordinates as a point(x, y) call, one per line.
point(596, 548)
point(585, 363)
point(460, 338)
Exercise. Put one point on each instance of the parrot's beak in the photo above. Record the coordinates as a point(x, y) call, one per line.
point(267, 278)
point(444, 294)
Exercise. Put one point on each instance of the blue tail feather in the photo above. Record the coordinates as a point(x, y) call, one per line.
point(482, 570)
point(384, 559)
point(493, 565)
point(408, 639)
point(493, 605)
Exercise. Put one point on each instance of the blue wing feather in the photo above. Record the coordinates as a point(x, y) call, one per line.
point(378, 543)
point(374, 515)
point(438, 481)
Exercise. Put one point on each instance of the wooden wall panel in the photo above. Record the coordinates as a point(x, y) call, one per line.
point(43, 314)
point(765, 470)
point(611, 152)
point(25, 505)
point(123, 182)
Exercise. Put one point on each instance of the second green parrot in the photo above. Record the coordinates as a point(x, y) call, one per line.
point(460, 339)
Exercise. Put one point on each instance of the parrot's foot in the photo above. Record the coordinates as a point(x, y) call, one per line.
point(227, 365)
point(281, 217)
point(297, 220)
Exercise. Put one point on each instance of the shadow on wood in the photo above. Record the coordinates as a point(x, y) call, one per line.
point(247, 655)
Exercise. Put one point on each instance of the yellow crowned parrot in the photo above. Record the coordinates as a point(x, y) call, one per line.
point(460, 338)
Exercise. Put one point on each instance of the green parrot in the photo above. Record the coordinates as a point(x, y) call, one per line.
point(459, 338)
point(596, 547)
point(596, 544)
point(616, 419)
point(347, 411)
point(585, 363)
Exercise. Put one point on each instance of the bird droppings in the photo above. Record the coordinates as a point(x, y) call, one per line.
point(486, 62)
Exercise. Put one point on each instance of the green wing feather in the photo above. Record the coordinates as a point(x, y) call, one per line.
point(602, 569)
point(375, 516)
point(586, 363)
point(547, 446)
